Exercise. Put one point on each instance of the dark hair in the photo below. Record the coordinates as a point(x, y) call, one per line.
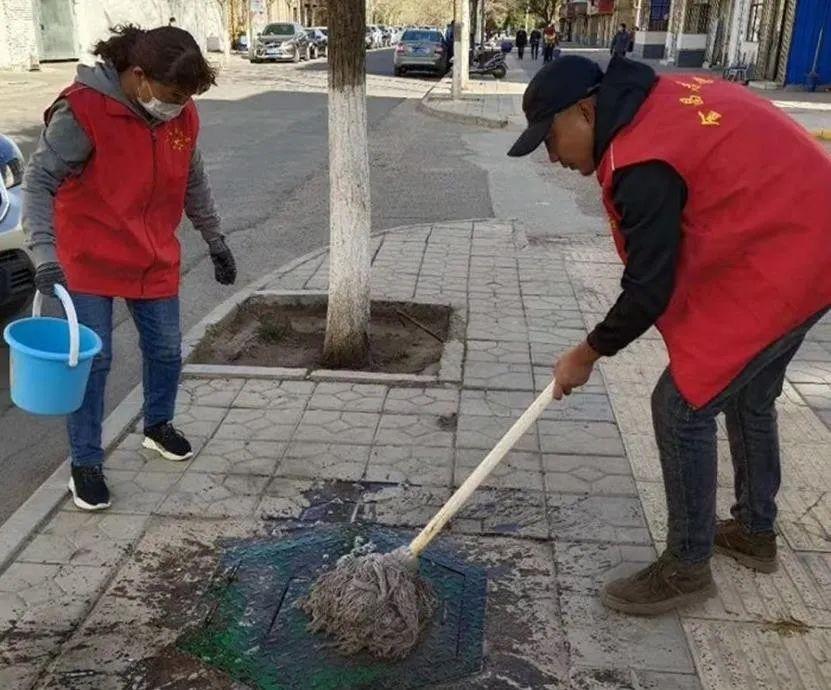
point(167, 54)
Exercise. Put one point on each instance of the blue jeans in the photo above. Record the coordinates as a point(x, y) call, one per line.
point(687, 446)
point(157, 322)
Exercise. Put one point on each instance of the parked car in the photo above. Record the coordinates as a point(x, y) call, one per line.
point(420, 50)
point(17, 274)
point(283, 42)
point(318, 42)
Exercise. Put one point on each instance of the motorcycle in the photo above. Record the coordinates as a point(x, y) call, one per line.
point(488, 62)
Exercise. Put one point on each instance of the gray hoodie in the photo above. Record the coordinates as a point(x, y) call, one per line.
point(63, 150)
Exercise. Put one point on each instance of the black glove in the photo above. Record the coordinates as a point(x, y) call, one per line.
point(225, 268)
point(47, 276)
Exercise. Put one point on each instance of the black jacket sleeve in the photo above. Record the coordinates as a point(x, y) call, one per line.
point(650, 198)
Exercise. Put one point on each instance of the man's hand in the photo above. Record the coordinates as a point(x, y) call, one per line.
point(225, 268)
point(47, 276)
point(573, 369)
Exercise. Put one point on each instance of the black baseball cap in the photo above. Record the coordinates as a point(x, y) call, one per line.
point(557, 86)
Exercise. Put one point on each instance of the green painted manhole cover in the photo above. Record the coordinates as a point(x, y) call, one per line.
point(257, 635)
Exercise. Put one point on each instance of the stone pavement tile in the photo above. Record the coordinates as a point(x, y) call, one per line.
point(793, 591)
point(588, 474)
point(816, 395)
point(584, 567)
point(259, 424)
point(193, 421)
point(498, 353)
point(601, 638)
point(582, 406)
point(130, 455)
point(800, 424)
point(401, 506)
point(633, 407)
point(484, 432)
point(209, 392)
point(616, 519)
point(804, 518)
point(415, 465)
point(805, 465)
point(548, 344)
point(517, 470)
point(498, 330)
point(812, 351)
point(556, 328)
point(237, 456)
point(275, 395)
point(543, 375)
point(418, 430)
point(753, 655)
point(140, 492)
point(80, 538)
point(214, 495)
point(354, 397)
point(495, 376)
point(580, 438)
point(809, 372)
point(434, 401)
point(333, 426)
point(509, 512)
point(324, 461)
point(629, 678)
point(286, 499)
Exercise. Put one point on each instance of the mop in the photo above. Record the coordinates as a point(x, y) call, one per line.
point(379, 602)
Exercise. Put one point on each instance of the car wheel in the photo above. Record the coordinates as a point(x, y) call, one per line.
point(398, 72)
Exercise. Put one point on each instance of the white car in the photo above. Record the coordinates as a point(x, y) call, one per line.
point(16, 270)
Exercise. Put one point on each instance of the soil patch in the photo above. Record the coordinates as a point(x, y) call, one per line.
point(405, 338)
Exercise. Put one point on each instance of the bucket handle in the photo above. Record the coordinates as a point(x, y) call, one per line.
point(71, 316)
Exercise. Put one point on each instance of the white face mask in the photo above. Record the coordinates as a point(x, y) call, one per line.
point(159, 109)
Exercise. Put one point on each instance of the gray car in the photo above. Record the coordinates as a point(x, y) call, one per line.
point(421, 50)
point(282, 42)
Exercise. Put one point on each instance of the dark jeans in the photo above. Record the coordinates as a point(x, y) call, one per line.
point(157, 322)
point(687, 446)
point(520, 51)
point(548, 53)
point(535, 50)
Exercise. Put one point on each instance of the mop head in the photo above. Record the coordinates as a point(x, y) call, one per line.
point(372, 601)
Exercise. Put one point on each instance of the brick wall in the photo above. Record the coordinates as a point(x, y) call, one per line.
point(18, 41)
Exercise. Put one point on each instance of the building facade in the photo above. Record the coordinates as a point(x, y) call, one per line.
point(32, 31)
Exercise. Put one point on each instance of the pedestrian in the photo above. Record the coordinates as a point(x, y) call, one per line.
point(171, 21)
point(521, 41)
point(726, 249)
point(620, 42)
point(534, 40)
point(632, 35)
point(104, 192)
point(549, 37)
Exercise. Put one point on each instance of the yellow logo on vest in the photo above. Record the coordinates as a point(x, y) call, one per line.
point(179, 141)
point(687, 85)
point(709, 119)
point(692, 100)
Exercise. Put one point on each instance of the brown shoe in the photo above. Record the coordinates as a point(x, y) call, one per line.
point(757, 551)
point(662, 586)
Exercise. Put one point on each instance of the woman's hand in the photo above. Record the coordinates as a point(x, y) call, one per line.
point(47, 276)
point(225, 268)
point(573, 369)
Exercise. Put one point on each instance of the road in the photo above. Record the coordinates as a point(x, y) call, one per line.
point(265, 143)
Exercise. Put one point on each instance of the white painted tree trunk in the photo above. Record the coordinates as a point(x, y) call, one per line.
point(347, 321)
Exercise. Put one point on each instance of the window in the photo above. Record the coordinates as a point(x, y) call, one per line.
point(697, 19)
point(279, 30)
point(658, 13)
point(754, 21)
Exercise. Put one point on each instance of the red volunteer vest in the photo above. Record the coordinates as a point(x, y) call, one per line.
point(116, 222)
point(755, 256)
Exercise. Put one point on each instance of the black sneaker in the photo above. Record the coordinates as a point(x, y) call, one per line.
point(89, 490)
point(167, 442)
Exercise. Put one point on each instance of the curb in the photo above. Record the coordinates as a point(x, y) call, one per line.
point(427, 105)
point(16, 531)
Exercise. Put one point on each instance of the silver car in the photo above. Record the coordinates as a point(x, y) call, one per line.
point(421, 50)
point(283, 42)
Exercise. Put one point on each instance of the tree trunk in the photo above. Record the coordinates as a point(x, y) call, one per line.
point(347, 320)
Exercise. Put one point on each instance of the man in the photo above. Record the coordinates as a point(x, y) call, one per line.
point(726, 243)
point(549, 37)
point(620, 42)
point(521, 42)
point(534, 40)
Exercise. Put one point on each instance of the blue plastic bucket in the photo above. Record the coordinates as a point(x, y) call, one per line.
point(50, 359)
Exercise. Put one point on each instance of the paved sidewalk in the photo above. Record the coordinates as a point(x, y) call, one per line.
point(96, 601)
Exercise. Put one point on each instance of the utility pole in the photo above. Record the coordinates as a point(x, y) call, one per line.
point(461, 47)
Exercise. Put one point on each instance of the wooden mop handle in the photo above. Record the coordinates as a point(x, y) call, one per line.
point(500, 450)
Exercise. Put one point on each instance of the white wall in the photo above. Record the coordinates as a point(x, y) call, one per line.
point(18, 40)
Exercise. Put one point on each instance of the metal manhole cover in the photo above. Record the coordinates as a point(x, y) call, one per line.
point(257, 635)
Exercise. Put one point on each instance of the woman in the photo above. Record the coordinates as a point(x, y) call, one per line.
point(104, 193)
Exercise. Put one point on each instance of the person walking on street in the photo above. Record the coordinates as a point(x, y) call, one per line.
point(550, 42)
point(620, 42)
point(534, 41)
point(730, 264)
point(521, 42)
point(104, 192)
